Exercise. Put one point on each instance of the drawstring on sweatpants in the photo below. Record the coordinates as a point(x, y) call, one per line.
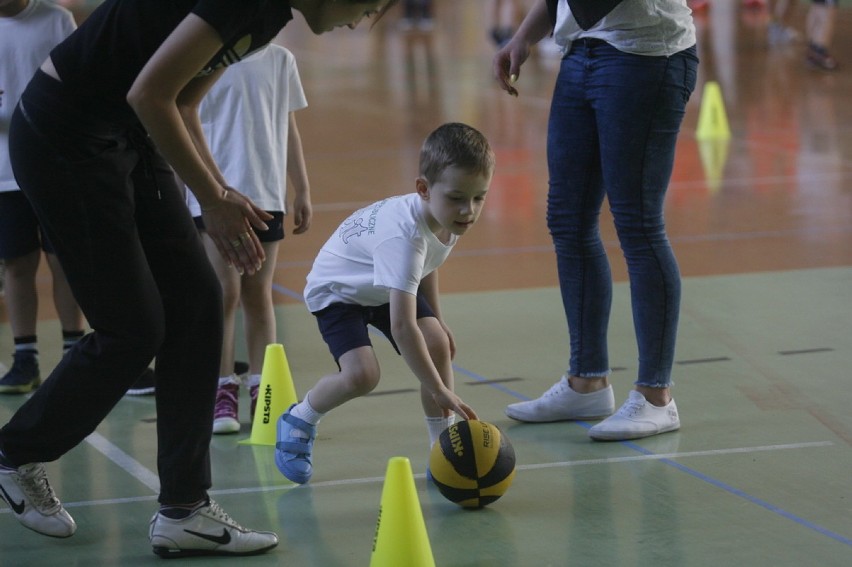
point(139, 140)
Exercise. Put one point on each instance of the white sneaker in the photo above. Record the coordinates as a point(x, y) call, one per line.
point(561, 403)
point(636, 419)
point(33, 502)
point(207, 531)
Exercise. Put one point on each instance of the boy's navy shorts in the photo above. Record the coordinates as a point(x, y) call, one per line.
point(274, 234)
point(344, 325)
point(20, 232)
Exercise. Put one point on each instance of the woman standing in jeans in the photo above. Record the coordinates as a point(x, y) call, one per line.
point(617, 107)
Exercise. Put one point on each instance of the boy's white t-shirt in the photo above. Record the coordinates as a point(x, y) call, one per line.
point(384, 246)
point(245, 117)
point(25, 42)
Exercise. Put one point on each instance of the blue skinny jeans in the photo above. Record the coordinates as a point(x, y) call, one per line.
point(612, 131)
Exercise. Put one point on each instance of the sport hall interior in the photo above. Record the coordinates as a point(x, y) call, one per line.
point(760, 217)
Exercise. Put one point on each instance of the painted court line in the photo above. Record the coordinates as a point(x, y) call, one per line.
point(667, 459)
point(147, 477)
point(133, 467)
point(666, 456)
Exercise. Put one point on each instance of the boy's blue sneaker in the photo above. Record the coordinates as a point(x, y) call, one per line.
point(293, 452)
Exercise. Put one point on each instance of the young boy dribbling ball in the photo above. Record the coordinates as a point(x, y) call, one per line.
point(380, 268)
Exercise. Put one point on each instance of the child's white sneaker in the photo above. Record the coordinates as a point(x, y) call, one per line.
point(637, 418)
point(561, 403)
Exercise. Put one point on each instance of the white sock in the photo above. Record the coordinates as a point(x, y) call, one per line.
point(306, 412)
point(437, 425)
point(253, 380)
point(229, 379)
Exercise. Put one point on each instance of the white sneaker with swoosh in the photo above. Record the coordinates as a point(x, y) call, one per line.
point(207, 531)
point(32, 500)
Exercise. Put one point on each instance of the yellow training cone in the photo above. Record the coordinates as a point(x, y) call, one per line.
point(401, 538)
point(275, 396)
point(714, 156)
point(712, 119)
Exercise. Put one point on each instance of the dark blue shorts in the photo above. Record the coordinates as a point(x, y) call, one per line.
point(20, 232)
point(274, 234)
point(344, 326)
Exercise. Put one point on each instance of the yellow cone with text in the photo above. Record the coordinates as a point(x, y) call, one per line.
point(401, 538)
point(275, 396)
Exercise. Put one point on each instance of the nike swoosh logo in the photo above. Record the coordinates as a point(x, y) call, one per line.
point(17, 508)
point(223, 539)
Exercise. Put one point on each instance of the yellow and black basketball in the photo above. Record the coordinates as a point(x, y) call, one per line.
point(472, 463)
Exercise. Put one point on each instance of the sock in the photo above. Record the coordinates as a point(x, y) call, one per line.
point(69, 339)
point(305, 411)
point(229, 379)
point(253, 380)
point(28, 343)
point(181, 512)
point(437, 425)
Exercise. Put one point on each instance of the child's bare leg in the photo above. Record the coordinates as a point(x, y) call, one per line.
point(230, 280)
point(438, 344)
point(820, 24)
point(359, 375)
point(259, 311)
point(225, 418)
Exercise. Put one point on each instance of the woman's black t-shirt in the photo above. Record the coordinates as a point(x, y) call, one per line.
point(99, 62)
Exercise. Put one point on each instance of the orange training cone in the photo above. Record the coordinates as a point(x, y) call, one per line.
point(401, 537)
point(712, 119)
point(275, 396)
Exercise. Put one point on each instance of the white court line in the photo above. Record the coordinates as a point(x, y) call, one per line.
point(138, 471)
point(133, 467)
point(661, 456)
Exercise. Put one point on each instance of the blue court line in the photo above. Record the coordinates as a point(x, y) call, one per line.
point(754, 500)
point(683, 468)
point(674, 464)
point(288, 292)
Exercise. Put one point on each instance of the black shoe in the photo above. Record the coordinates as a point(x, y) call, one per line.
point(24, 375)
point(144, 385)
point(819, 58)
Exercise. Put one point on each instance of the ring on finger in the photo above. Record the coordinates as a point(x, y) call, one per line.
point(236, 242)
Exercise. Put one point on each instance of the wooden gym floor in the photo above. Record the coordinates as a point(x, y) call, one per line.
point(762, 225)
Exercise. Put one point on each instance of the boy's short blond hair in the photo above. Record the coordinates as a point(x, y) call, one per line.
point(455, 144)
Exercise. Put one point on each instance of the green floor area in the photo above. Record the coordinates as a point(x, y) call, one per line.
point(758, 475)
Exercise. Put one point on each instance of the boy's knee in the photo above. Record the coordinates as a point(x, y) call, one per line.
point(437, 341)
point(364, 381)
